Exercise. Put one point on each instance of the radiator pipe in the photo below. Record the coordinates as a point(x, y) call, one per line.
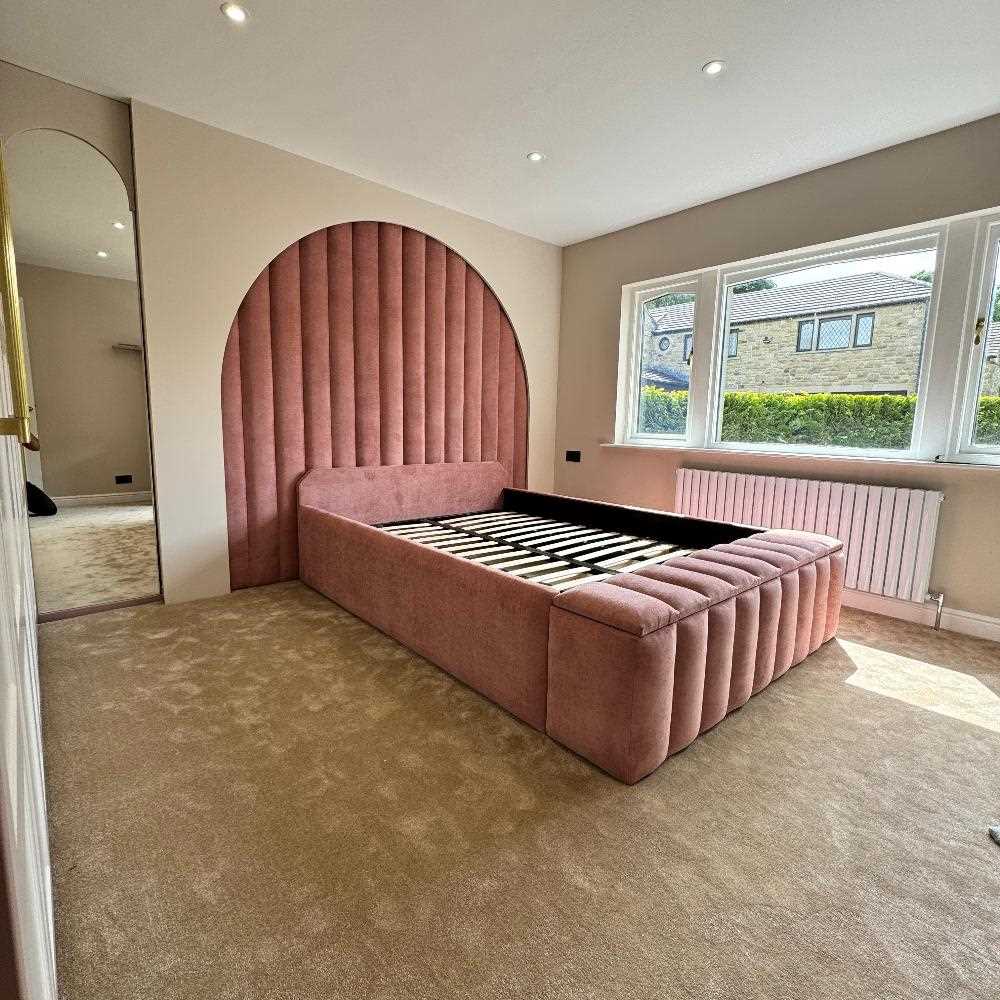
point(937, 597)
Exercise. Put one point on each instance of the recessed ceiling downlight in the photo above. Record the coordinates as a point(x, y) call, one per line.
point(103, 254)
point(713, 68)
point(234, 12)
point(117, 225)
point(535, 157)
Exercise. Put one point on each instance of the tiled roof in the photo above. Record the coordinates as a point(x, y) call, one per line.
point(853, 291)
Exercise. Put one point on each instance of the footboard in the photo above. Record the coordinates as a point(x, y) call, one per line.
point(642, 663)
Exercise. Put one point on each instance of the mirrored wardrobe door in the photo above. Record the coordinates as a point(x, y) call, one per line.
point(90, 491)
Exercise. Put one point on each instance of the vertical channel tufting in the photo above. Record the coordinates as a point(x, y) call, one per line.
point(366, 344)
point(315, 307)
point(472, 402)
point(286, 361)
point(491, 378)
point(390, 319)
point(505, 392)
point(804, 619)
point(259, 442)
point(435, 346)
point(362, 344)
point(454, 358)
point(414, 376)
point(235, 467)
point(520, 420)
point(340, 271)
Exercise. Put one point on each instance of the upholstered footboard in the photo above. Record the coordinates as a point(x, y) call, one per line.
point(640, 664)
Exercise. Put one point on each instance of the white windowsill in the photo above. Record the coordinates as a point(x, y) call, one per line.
point(793, 456)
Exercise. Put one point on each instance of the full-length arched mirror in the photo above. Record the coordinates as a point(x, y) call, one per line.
point(93, 536)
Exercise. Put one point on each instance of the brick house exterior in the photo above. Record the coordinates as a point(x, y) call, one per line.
point(858, 333)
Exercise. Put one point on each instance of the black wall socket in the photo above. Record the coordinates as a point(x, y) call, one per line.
point(123, 480)
point(572, 456)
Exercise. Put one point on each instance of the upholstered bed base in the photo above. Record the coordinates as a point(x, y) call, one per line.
point(624, 671)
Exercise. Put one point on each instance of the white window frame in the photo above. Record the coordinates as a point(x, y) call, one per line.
point(963, 448)
point(946, 392)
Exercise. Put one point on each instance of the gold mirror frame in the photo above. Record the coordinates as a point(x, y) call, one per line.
point(17, 424)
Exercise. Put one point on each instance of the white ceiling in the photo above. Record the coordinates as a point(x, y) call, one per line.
point(443, 98)
point(64, 198)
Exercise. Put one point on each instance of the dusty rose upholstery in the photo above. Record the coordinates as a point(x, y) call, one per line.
point(380, 494)
point(363, 344)
point(640, 664)
point(487, 628)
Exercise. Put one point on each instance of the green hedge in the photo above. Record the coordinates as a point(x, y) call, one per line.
point(988, 421)
point(839, 419)
point(822, 418)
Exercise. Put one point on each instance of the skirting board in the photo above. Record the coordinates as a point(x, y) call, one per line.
point(952, 619)
point(100, 499)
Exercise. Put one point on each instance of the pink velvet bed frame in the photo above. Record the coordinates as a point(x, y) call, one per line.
point(364, 344)
point(625, 671)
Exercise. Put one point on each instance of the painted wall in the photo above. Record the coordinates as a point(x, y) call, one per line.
point(29, 100)
point(213, 210)
point(941, 175)
point(90, 399)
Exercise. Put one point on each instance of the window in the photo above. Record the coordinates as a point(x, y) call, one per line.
point(986, 355)
point(661, 403)
point(822, 393)
point(834, 333)
point(864, 347)
point(805, 341)
point(864, 328)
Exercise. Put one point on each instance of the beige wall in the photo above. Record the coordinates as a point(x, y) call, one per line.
point(29, 100)
point(938, 176)
point(90, 399)
point(213, 209)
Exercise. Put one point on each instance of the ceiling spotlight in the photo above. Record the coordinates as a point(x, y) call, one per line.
point(713, 68)
point(535, 156)
point(234, 12)
point(117, 225)
point(103, 254)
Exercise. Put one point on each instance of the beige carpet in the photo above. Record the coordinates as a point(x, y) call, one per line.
point(94, 555)
point(259, 797)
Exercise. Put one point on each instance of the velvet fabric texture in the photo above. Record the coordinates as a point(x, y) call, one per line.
point(486, 628)
point(624, 671)
point(641, 664)
point(362, 344)
point(403, 492)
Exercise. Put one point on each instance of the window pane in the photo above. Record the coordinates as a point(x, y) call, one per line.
point(864, 328)
point(834, 334)
point(809, 369)
point(987, 427)
point(667, 338)
point(806, 328)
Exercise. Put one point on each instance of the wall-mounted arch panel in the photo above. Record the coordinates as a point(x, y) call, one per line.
point(362, 344)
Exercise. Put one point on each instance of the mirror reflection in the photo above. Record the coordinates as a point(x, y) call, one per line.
point(93, 536)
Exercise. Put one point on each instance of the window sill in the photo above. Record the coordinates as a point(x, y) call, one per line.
point(801, 456)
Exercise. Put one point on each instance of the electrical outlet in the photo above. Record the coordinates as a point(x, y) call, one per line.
point(123, 480)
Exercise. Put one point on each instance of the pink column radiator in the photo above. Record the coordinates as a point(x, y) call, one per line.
point(888, 532)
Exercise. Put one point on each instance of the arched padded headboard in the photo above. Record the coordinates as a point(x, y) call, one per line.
point(362, 344)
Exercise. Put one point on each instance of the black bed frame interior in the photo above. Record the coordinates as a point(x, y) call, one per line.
point(675, 529)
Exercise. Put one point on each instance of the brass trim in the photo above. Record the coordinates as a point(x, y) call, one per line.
point(19, 423)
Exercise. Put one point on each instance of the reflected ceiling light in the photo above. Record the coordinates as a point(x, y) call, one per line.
point(118, 225)
point(535, 157)
point(102, 254)
point(234, 12)
point(713, 68)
